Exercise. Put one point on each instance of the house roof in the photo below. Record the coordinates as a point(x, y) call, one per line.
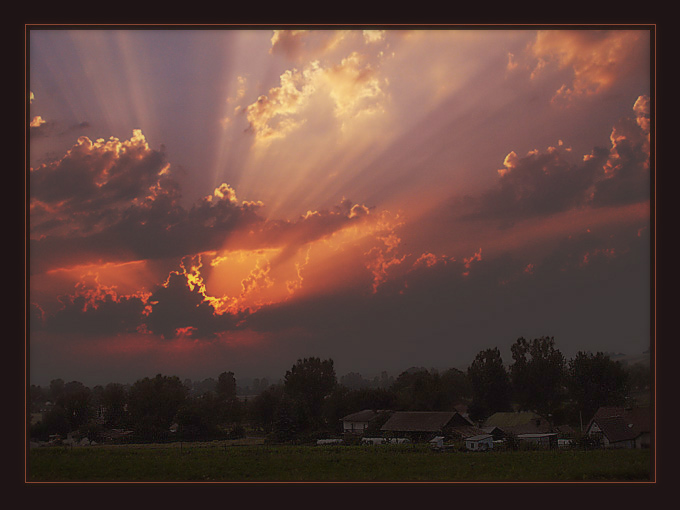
point(640, 417)
point(480, 437)
point(615, 428)
point(423, 421)
point(361, 416)
point(466, 431)
point(491, 430)
point(621, 423)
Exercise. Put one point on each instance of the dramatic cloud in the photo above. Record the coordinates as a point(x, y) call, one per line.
point(203, 201)
point(352, 87)
point(544, 183)
point(596, 58)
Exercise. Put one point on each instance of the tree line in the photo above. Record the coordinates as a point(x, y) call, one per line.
point(310, 400)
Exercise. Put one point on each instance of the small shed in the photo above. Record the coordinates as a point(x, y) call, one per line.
point(478, 443)
point(545, 440)
point(437, 442)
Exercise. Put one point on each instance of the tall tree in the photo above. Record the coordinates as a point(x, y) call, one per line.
point(456, 387)
point(262, 409)
point(114, 399)
point(307, 383)
point(418, 390)
point(56, 389)
point(538, 375)
point(491, 389)
point(226, 386)
point(75, 399)
point(595, 380)
point(153, 404)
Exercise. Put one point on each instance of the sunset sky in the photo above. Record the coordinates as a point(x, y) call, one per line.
point(209, 200)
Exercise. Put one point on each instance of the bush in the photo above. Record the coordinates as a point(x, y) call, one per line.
point(586, 442)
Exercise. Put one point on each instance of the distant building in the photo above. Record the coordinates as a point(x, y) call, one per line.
point(540, 440)
point(437, 442)
point(479, 443)
point(424, 425)
point(357, 423)
point(496, 432)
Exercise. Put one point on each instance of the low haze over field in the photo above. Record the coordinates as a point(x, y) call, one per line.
point(211, 200)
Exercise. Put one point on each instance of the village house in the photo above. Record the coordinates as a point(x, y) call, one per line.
point(424, 425)
point(357, 423)
point(619, 427)
point(495, 432)
point(511, 423)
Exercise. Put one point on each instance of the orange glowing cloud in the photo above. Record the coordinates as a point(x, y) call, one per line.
point(597, 58)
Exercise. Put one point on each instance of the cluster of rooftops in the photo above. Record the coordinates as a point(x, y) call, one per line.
point(615, 425)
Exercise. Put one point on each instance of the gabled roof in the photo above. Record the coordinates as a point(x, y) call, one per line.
point(615, 428)
point(467, 431)
point(361, 416)
point(640, 417)
point(622, 424)
point(424, 421)
point(480, 437)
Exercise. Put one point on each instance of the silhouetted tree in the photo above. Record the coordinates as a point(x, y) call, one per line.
point(226, 386)
point(75, 399)
point(456, 387)
point(639, 376)
point(56, 389)
point(418, 390)
point(198, 417)
point(595, 380)
point(262, 409)
point(384, 381)
point(153, 404)
point(354, 381)
point(307, 383)
point(114, 399)
point(537, 375)
point(491, 389)
point(37, 397)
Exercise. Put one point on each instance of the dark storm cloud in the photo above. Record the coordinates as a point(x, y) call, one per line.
point(453, 309)
point(544, 183)
point(109, 316)
point(97, 175)
point(172, 308)
point(176, 306)
point(118, 201)
point(538, 185)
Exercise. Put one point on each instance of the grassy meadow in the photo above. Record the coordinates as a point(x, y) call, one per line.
point(221, 462)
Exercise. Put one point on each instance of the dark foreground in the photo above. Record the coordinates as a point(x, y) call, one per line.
point(219, 462)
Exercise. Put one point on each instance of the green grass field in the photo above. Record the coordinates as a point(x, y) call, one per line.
point(404, 463)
